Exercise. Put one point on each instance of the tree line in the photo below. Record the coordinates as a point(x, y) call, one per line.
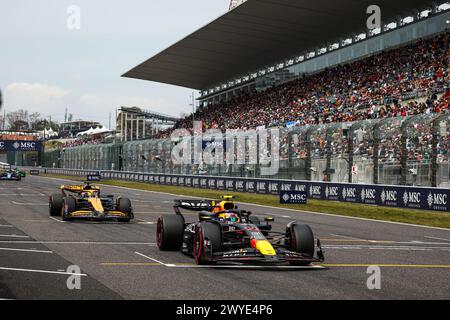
point(21, 120)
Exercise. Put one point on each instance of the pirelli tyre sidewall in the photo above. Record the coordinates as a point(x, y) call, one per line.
point(211, 233)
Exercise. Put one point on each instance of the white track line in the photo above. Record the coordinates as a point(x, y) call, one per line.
point(25, 250)
point(171, 265)
point(248, 267)
point(44, 271)
point(151, 259)
point(6, 226)
point(271, 207)
point(434, 238)
point(81, 243)
point(29, 204)
point(57, 220)
point(23, 194)
point(347, 237)
point(13, 236)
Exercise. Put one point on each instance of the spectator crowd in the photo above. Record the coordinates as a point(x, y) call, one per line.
point(372, 88)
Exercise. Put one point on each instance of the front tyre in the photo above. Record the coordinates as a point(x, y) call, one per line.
point(68, 207)
point(301, 240)
point(170, 232)
point(207, 240)
point(56, 203)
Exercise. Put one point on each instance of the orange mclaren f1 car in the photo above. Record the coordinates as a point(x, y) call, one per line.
point(85, 203)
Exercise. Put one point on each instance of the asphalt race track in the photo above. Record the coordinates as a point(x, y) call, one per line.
point(121, 261)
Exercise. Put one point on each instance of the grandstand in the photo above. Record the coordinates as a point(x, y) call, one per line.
point(352, 105)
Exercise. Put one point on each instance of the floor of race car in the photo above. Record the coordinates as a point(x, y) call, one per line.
point(120, 260)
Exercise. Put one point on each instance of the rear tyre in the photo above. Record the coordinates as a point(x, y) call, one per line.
point(301, 240)
point(56, 204)
point(169, 232)
point(69, 206)
point(212, 233)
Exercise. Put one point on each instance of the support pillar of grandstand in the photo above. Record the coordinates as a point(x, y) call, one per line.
point(404, 151)
point(132, 127)
point(440, 136)
point(308, 155)
point(434, 147)
point(329, 152)
point(376, 152)
point(350, 134)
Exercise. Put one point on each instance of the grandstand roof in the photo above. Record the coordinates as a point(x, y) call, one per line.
point(262, 32)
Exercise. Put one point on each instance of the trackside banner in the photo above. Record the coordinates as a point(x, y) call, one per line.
point(389, 196)
point(11, 145)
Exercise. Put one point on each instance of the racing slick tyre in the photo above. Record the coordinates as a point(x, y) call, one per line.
point(301, 239)
point(211, 232)
point(69, 206)
point(56, 204)
point(170, 232)
point(124, 205)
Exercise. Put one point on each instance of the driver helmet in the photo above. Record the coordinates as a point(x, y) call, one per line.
point(231, 217)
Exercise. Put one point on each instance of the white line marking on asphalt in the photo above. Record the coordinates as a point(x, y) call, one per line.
point(23, 194)
point(81, 243)
point(29, 204)
point(149, 258)
point(270, 207)
point(171, 265)
point(57, 220)
point(6, 226)
point(12, 236)
point(44, 271)
point(405, 248)
point(346, 237)
point(434, 238)
point(25, 250)
point(247, 267)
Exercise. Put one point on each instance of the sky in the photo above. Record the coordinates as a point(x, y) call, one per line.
point(49, 62)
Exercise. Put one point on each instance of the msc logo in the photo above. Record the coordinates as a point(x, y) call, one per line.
point(388, 196)
point(273, 187)
point(261, 186)
point(348, 193)
point(294, 198)
point(411, 197)
point(331, 191)
point(24, 145)
point(368, 194)
point(300, 187)
point(315, 190)
point(439, 199)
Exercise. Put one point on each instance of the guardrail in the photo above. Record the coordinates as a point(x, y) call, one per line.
point(381, 195)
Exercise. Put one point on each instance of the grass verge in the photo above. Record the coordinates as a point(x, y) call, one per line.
point(419, 217)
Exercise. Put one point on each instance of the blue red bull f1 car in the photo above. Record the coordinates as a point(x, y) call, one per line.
point(228, 235)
